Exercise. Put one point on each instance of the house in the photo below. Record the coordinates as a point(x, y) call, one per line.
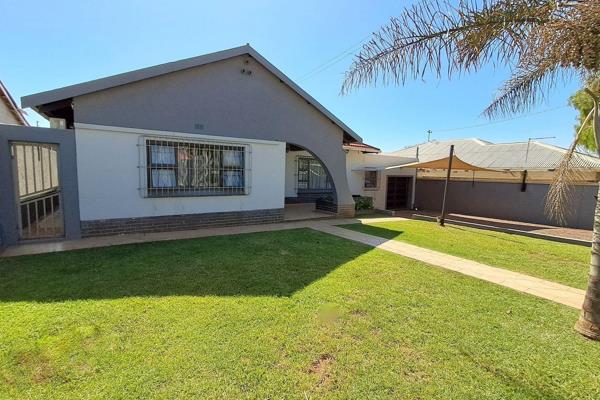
point(10, 113)
point(505, 180)
point(199, 142)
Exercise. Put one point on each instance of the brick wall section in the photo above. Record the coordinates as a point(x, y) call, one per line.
point(346, 211)
point(341, 210)
point(180, 222)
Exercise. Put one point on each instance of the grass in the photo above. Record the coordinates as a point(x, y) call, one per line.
point(289, 314)
point(559, 262)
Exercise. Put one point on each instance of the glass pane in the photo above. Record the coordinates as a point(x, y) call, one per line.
point(163, 155)
point(162, 178)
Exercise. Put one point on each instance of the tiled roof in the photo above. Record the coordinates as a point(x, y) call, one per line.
point(511, 156)
point(365, 148)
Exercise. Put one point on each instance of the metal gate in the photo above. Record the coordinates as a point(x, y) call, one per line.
point(36, 177)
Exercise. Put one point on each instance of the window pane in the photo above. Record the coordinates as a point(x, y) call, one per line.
point(164, 155)
point(371, 179)
point(312, 175)
point(233, 158)
point(233, 179)
point(163, 178)
point(195, 168)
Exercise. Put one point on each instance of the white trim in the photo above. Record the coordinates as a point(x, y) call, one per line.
point(174, 135)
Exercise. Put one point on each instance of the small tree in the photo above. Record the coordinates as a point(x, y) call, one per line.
point(541, 41)
point(584, 103)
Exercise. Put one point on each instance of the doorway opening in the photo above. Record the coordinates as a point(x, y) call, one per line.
point(398, 192)
point(38, 194)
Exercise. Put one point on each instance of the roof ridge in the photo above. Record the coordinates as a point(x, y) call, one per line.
point(96, 85)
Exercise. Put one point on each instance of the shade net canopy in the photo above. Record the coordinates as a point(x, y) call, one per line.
point(442, 163)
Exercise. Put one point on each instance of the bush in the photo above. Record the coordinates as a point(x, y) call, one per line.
point(363, 203)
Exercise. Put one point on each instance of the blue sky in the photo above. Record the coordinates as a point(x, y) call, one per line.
point(45, 47)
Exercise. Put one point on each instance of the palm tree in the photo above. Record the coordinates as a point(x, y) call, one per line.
point(542, 42)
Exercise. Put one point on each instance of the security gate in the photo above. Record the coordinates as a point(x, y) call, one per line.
point(35, 167)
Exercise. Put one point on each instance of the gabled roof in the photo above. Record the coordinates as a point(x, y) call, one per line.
point(67, 92)
point(12, 105)
point(507, 156)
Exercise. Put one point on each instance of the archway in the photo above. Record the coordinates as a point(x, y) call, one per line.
point(308, 180)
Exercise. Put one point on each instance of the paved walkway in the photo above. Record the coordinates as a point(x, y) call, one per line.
point(524, 283)
point(556, 292)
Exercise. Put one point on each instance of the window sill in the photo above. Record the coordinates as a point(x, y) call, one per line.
point(308, 191)
point(168, 194)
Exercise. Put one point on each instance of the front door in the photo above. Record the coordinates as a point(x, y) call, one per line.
point(398, 190)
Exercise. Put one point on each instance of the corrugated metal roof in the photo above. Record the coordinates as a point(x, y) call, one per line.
point(367, 148)
point(509, 156)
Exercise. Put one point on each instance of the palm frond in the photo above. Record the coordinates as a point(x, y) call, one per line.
point(560, 194)
point(443, 38)
point(525, 88)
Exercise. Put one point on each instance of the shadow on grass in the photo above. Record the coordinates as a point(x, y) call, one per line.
point(375, 230)
point(259, 264)
point(518, 383)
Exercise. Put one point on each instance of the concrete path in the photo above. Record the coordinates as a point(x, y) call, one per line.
point(556, 292)
point(524, 283)
point(103, 241)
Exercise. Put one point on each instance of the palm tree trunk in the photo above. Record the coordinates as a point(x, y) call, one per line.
point(589, 319)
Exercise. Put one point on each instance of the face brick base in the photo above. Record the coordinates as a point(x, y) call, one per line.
point(165, 223)
point(342, 210)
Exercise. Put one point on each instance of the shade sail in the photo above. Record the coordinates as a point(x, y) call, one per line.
point(442, 163)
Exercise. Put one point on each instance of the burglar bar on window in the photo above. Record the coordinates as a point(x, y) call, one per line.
point(177, 168)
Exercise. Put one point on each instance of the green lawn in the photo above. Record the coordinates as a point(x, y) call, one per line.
point(559, 262)
point(292, 314)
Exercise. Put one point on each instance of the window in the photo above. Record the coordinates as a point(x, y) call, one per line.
point(312, 176)
point(371, 179)
point(194, 169)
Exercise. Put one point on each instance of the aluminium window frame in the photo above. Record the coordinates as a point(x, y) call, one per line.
point(145, 167)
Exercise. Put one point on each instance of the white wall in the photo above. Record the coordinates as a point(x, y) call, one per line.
point(356, 179)
point(6, 116)
point(109, 179)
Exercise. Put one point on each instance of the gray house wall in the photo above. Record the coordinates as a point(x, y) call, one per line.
point(67, 165)
point(218, 99)
point(504, 200)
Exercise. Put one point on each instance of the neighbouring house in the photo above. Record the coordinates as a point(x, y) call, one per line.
point(10, 113)
point(201, 142)
point(504, 180)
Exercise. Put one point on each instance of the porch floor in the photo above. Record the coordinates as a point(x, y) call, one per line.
point(304, 211)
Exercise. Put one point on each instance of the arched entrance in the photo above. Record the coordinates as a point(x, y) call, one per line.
point(310, 188)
